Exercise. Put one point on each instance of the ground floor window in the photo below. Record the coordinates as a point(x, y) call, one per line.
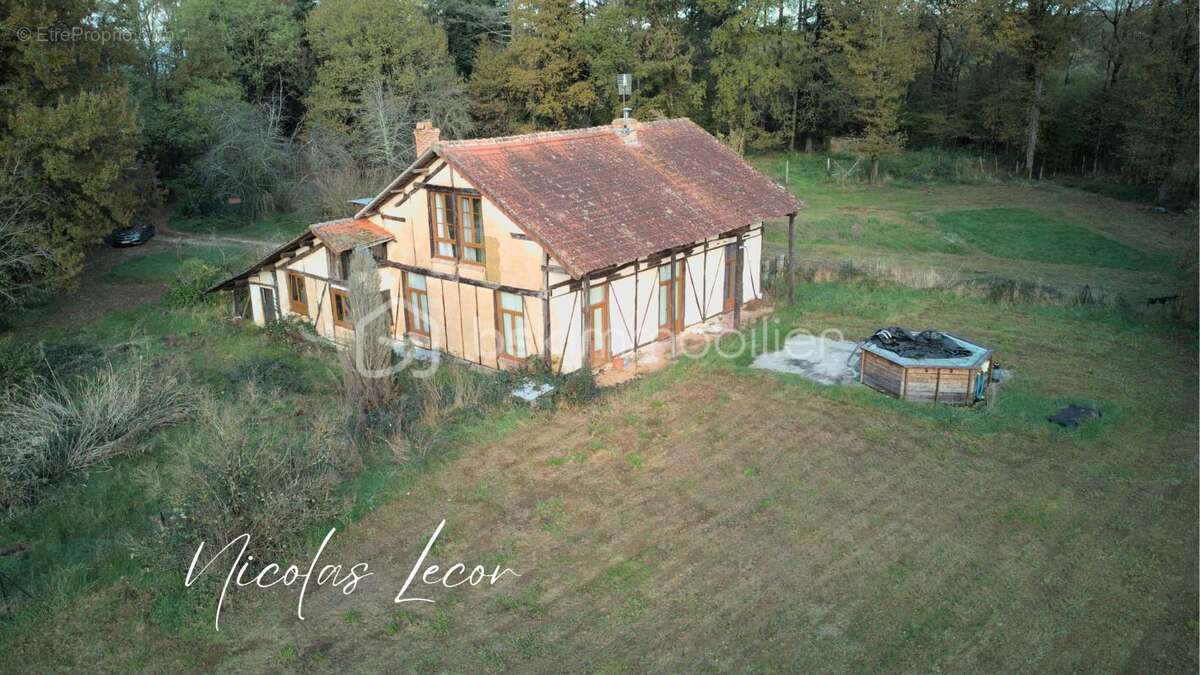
point(416, 304)
point(511, 317)
point(341, 308)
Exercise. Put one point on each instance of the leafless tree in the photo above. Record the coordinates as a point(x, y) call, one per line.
point(250, 158)
point(24, 251)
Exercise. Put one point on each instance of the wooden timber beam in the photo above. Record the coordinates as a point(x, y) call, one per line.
point(462, 280)
point(586, 306)
point(546, 307)
point(737, 284)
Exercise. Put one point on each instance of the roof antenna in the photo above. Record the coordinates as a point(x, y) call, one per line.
point(624, 90)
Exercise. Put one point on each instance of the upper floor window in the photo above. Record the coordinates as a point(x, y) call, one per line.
point(456, 225)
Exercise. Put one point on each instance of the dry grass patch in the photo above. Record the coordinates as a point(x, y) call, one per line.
point(774, 530)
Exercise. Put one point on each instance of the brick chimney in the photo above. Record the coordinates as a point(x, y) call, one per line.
point(426, 135)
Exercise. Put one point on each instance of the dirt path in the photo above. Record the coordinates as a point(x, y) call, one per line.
point(161, 218)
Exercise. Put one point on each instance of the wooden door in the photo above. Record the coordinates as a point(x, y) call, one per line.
point(730, 295)
point(598, 306)
point(670, 311)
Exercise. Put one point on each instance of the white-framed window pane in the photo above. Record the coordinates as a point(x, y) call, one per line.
point(598, 330)
point(518, 337)
point(512, 302)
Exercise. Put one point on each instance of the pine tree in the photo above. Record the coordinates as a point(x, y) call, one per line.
point(875, 57)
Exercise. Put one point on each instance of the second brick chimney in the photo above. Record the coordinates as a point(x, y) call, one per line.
point(426, 135)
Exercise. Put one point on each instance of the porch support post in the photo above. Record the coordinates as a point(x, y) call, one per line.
point(546, 308)
point(672, 306)
point(737, 283)
point(585, 303)
point(791, 259)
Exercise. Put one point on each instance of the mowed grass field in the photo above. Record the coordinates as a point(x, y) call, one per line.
point(1039, 232)
point(712, 517)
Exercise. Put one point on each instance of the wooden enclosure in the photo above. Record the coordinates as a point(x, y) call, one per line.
point(943, 380)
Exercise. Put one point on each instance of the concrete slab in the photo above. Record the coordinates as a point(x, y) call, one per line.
point(830, 362)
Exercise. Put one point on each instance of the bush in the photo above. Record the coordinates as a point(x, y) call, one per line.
point(253, 471)
point(50, 429)
point(578, 388)
point(19, 361)
point(292, 329)
point(191, 282)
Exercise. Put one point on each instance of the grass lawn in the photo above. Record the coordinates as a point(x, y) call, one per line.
point(160, 266)
point(708, 517)
point(1026, 235)
point(276, 228)
point(1040, 232)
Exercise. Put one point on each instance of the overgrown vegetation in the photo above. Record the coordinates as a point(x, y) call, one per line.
point(191, 283)
point(51, 428)
point(248, 474)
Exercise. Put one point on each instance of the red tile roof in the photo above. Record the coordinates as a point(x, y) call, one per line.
point(597, 197)
point(343, 235)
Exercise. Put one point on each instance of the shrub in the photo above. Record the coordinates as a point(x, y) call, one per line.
point(292, 329)
point(578, 388)
point(50, 428)
point(253, 471)
point(191, 282)
point(19, 361)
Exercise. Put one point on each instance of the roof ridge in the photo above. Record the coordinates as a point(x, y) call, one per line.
point(335, 221)
point(535, 136)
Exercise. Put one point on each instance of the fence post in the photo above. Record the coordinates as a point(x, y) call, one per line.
point(791, 258)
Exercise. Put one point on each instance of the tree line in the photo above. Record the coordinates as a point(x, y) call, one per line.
point(112, 106)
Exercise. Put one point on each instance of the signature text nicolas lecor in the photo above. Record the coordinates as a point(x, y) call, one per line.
point(337, 576)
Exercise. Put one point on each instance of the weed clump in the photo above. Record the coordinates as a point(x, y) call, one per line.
point(252, 472)
point(52, 427)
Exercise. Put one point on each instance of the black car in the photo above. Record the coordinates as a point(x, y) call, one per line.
point(138, 233)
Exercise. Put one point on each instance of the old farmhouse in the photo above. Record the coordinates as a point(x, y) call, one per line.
point(582, 246)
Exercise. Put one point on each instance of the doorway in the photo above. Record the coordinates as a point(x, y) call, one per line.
point(670, 313)
point(267, 296)
point(598, 306)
